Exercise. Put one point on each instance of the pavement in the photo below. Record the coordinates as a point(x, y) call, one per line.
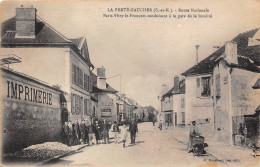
point(156, 148)
point(229, 154)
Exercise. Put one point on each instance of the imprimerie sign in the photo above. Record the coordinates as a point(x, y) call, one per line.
point(27, 93)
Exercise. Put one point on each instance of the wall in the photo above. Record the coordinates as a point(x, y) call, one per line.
point(27, 122)
point(107, 101)
point(77, 90)
point(177, 107)
point(198, 108)
point(222, 103)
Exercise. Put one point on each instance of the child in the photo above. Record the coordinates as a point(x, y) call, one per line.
point(124, 134)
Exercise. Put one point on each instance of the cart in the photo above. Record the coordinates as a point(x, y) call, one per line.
point(198, 145)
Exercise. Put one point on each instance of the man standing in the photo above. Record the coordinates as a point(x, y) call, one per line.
point(76, 129)
point(105, 132)
point(133, 129)
point(97, 130)
point(86, 132)
point(194, 131)
point(82, 131)
point(116, 131)
point(91, 133)
point(66, 132)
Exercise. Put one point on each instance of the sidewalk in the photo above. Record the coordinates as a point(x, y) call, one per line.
point(230, 154)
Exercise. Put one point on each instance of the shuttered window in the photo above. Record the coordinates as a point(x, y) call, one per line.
point(73, 73)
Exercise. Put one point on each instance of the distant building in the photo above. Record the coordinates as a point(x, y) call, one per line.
point(173, 104)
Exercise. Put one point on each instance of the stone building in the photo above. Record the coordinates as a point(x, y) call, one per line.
point(49, 56)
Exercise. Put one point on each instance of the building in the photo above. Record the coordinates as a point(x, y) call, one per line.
point(173, 104)
point(32, 111)
point(236, 97)
point(49, 56)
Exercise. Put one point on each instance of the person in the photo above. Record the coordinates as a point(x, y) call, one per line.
point(194, 131)
point(106, 132)
point(82, 132)
point(97, 131)
point(91, 133)
point(65, 132)
point(154, 119)
point(86, 132)
point(116, 131)
point(160, 125)
point(70, 130)
point(77, 130)
point(124, 134)
point(133, 129)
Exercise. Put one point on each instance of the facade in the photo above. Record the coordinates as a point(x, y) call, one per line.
point(52, 58)
point(173, 104)
point(32, 111)
point(199, 85)
point(235, 75)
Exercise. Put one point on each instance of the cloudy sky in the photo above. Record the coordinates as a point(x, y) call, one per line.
point(147, 52)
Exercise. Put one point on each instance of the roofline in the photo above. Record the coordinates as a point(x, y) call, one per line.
point(196, 74)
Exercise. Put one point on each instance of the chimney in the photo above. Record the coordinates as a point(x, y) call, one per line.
point(231, 52)
point(176, 84)
point(197, 54)
point(101, 78)
point(25, 22)
point(164, 89)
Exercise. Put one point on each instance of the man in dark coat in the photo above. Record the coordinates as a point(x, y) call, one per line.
point(97, 131)
point(77, 130)
point(86, 132)
point(65, 133)
point(106, 132)
point(82, 129)
point(133, 129)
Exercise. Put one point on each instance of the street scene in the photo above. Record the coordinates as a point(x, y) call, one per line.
point(130, 84)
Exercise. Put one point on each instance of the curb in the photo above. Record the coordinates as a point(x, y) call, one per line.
point(59, 156)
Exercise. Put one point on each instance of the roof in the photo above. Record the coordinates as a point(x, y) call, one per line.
point(206, 65)
point(257, 84)
point(108, 89)
point(180, 91)
point(45, 36)
point(77, 41)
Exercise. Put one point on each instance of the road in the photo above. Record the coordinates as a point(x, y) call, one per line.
point(153, 148)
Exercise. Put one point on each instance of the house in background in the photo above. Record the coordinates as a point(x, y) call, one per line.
point(178, 96)
point(167, 108)
point(236, 74)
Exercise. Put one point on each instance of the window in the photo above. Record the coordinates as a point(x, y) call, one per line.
point(73, 73)
point(182, 102)
point(203, 87)
point(217, 82)
point(183, 117)
point(76, 104)
point(80, 78)
point(77, 76)
point(90, 84)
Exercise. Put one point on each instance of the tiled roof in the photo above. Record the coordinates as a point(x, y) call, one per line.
point(257, 84)
point(77, 41)
point(206, 66)
point(171, 91)
point(108, 89)
point(45, 34)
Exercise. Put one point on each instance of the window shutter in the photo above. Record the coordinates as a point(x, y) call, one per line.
point(198, 88)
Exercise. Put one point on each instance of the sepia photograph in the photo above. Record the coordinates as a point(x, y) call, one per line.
point(148, 83)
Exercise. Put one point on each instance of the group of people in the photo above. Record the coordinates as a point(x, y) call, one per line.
point(84, 132)
point(90, 133)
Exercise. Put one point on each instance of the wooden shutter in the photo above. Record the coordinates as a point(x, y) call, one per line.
point(198, 88)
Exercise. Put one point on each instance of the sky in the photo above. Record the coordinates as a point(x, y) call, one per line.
point(147, 52)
